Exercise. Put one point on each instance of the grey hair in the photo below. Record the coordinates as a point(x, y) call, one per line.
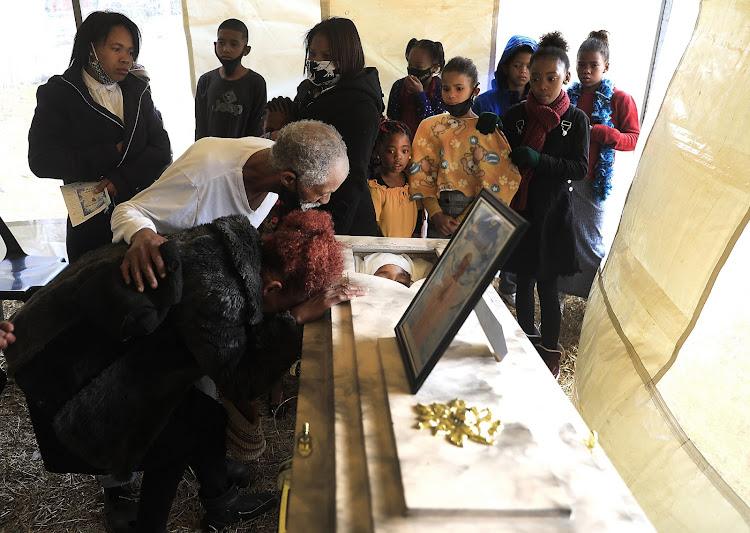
point(309, 148)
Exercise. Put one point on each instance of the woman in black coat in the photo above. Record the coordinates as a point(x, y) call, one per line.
point(342, 92)
point(97, 123)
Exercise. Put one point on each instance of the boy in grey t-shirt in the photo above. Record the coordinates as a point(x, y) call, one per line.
point(229, 100)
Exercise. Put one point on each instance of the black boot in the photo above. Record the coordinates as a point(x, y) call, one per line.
point(231, 507)
point(120, 509)
point(551, 358)
point(240, 474)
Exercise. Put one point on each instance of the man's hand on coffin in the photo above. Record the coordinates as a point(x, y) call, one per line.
point(142, 258)
point(316, 307)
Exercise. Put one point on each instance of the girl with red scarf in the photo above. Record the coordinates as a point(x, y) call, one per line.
point(550, 145)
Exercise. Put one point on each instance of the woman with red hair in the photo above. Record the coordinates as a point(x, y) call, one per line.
point(123, 399)
point(304, 252)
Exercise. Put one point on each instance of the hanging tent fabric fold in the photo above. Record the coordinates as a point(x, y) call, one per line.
point(662, 370)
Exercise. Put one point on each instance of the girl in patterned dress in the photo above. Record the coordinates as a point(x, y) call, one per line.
point(456, 154)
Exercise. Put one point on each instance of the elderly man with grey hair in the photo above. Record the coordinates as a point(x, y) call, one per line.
point(217, 177)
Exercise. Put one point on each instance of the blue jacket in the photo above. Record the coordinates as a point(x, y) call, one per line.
point(499, 99)
point(495, 100)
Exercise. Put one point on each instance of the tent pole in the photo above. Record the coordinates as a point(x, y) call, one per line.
point(189, 42)
point(493, 44)
point(77, 12)
point(666, 10)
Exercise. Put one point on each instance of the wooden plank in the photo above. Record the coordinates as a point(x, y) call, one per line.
point(353, 511)
point(312, 505)
point(387, 497)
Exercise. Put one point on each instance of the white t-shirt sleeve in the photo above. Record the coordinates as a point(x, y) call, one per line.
point(167, 206)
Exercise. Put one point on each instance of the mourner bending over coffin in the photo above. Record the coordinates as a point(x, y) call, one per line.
point(108, 371)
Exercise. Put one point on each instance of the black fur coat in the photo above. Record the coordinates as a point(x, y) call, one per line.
point(103, 366)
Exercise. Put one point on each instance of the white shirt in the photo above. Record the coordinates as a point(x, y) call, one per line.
point(107, 96)
point(205, 183)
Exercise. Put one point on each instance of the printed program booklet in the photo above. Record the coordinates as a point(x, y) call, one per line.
point(81, 201)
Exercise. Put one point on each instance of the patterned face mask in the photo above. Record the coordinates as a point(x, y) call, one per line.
point(422, 75)
point(96, 65)
point(322, 73)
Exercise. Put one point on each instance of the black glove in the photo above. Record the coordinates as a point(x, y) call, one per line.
point(523, 155)
point(488, 122)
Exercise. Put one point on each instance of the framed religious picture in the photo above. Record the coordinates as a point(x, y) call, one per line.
point(477, 250)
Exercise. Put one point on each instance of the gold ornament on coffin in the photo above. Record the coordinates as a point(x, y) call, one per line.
point(591, 443)
point(457, 421)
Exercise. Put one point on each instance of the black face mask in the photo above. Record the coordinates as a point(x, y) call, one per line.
point(230, 65)
point(421, 75)
point(459, 110)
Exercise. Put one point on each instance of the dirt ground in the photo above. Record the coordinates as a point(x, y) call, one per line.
point(33, 500)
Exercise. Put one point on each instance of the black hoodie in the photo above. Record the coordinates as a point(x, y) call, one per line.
point(352, 106)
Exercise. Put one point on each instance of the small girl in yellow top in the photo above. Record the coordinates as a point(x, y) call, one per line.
point(397, 215)
point(456, 154)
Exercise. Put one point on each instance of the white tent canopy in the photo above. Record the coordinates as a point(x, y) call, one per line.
point(661, 373)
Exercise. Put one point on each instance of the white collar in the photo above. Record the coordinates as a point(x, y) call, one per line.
point(94, 85)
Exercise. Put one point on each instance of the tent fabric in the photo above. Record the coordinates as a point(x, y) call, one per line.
point(662, 369)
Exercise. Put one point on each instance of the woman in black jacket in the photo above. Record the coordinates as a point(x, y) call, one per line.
point(97, 123)
point(342, 92)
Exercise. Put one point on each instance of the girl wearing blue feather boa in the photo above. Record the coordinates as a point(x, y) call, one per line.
point(614, 126)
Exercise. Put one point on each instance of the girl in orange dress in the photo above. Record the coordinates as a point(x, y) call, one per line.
point(396, 214)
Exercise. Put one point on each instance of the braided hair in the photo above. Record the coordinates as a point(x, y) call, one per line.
point(434, 48)
point(386, 128)
point(282, 104)
point(552, 44)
